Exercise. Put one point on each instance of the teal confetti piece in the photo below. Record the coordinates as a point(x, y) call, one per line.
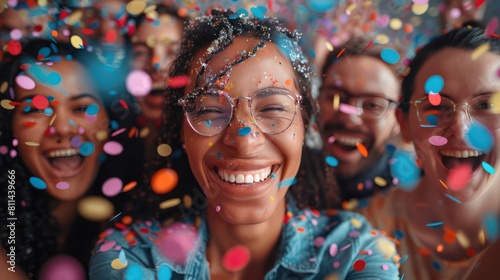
point(332, 161)
point(453, 198)
point(37, 183)
point(287, 182)
point(434, 84)
point(244, 131)
point(488, 168)
point(435, 224)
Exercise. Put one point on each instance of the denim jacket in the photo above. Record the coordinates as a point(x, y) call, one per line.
point(314, 245)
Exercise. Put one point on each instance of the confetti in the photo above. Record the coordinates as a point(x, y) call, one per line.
point(435, 224)
point(178, 82)
point(164, 180)
point(32, 144)
point(62, 185)
point(37, 183)
point(14, 47)
point(362, 149)
point(405, 169)
point(76, 42)
point(479, 137)
point(380, 181)
point(438, 140)
point(92, 109)
point(390, 55)
point(95, 208)
point(6, 104)
point(359, 265)
point(453, 198)
point(117, 264)
point(479, 51)
point(108, 245)
point(170, 203)
point(491, 27)
point(139, 83)
point(287, 182)
point(334, 249)
point(434, 99)
point(164, 273)
point(348, 109)
point(434, 84)
point(383, 20)
point(113, 148)
point(129, 186)
point(419, 8)
point(25, 82)
point(236, 258)
point(488, 168)
point(244, 131)
point(112, 187)
point(217, 208)
point(164, 150)
point(332, 161)
point(491, 225)
point(495, 100)
point(458, 177)
point(135, 7)
point(62, 267)
point(86, 149)
point(395, 24)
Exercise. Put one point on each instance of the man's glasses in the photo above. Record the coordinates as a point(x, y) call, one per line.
point(480, 108)
point(210, 112)
point(366, 106)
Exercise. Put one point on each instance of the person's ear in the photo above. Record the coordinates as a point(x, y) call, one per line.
point(403, 125)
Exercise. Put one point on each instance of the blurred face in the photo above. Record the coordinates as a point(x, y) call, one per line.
point(156, 47)
point(359, 82)
point(21, 21)
point(461, 152)
point(61, 147)
point(240, 172)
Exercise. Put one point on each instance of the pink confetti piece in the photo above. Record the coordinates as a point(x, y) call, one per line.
point(113, 148)
point(25, 82)
point(459, 177)
point(491, 27)
point(438, 141)
point(348, 109)
point(334, 249)
point(62, 185)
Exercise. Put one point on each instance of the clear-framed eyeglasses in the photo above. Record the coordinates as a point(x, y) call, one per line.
point(480, 108)
point(367, 106)
point(210, 111)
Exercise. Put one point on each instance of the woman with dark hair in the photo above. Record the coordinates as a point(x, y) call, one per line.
point(53, 127)
point(445, 220)
point(241, 116)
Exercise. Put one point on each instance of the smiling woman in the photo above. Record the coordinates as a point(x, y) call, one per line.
point(53, 130)
point(241, 119)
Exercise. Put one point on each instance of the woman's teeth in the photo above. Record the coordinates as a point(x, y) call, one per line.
point(461, 153)
point(245, 178)
point(63, 153)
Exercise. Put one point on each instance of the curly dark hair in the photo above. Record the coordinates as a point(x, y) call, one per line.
point(214, 32)
point(36, 228)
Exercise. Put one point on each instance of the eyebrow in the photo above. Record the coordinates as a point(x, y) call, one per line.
point(73, 98)
point(272, 90)
point(443, 94)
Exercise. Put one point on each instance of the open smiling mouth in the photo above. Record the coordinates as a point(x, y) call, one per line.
point(246, 177)
point(454, 158)
point(65, 162)
point(347, 143)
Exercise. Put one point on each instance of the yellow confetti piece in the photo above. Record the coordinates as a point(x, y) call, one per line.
point(101, 135)
point(144, 132)
point(52, 120)
point(164, 150)
point(482, 237)
point(362, 149)
point(76, 42)
point(332, 277)
point(74, 17)
point(116, 264)
point(380, 181)
point(6, 104)
point(419, 9)
point(442, 183)
point(42, 3)
point(329, 46)
point(386, 248)
point(336, 101)
point(271, 198)
point(395, 24)
point(135, 7)
point(406, 71)
point(210, 144)
point(95, 208)
point(187, 200)
point(462, 239)
point(32, 144)
point(350, 8)
point(382, 39)
point(479, 51)
point(495, 102)
point(170, 203)
point(356, 223)
point(4, 87)
point(350, 204)
point(150, 9)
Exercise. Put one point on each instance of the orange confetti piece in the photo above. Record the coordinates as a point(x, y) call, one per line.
point(288, 82)
point(29, 124)
point(127, 220)
point(362, 149)
point(442, 183)
point(439, 248)
point(341, 52)
point(129, 186)
point(360, 186)
point(164, 180)
point(301, 229)
point(132, 131)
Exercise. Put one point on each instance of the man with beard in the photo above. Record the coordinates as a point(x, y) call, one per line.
point(155, 44)
point(358, 98)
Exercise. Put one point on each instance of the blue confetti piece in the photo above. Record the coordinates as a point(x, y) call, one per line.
point(48, 111)
point(86, 149)
point(45, 52)
point(208, 123)
point(27, 109)
point(51, 98)
point(405, 169)
point(121, 257)
point(92, 109)
point(491, 225)
point(321, 6)
point(303, 9)
point(453, 198)
point(53, 78)
point(112, 92)
point(263, 9)
point(37, 183)
point(434, 84)
point(287, 182)
point(164, 273)
point(313, 54)
point(69, 57)
point(332, 161)
point(435, 224)
point(244, 131)
point(29, 100)
point(114, 125)
point(257, 13)
point(479, 137)
point(436, 265)
point(239, 13)
point(390, 56)
point(399, 234)
point(133, 272)
point(403, 259)
point(72, 123)
point(488, 168)
point(432, 120)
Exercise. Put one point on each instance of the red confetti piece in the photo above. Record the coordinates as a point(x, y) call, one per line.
point(435, 99)
point(144, 230)
point(14, 47)
point(459, 177)
point(479, 3)
point(178, 82)
point(124, 104)
point(87, 31)
point(369, 45)
point(341, 52)
point(40, 102)
point(38, 28)
point(236, 258)
point(111, 36)
point(29, 124)
point(270, 5)
point(359, 265)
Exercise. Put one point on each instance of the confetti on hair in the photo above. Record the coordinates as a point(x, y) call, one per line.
point(170, 203)
point(479, 51)
point(491, 27)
